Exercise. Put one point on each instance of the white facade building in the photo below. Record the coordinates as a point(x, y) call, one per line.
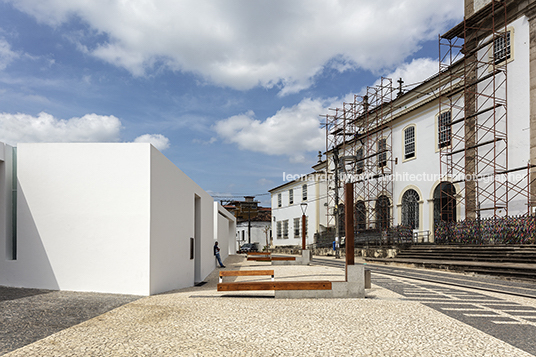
point(287, 201)
point(114, 218)
point(429, 133)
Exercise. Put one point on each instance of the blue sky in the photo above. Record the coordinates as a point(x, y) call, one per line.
point(231, 91)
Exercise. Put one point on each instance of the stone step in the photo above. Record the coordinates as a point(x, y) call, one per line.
point(471, 258)
point(456, 254)
point(508, 261)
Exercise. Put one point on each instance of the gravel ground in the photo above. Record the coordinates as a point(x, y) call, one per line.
point(200, 321)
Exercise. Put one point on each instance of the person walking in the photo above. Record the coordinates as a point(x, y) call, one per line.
point(217, 254)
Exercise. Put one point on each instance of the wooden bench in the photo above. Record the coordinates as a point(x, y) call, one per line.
point(259, 253)
point(275, 285)
point(270, 258)
point(245, 273)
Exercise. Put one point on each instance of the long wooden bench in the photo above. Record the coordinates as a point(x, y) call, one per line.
point(270, 258)
point(259, 253)
point(245, 273)
point(275, 285)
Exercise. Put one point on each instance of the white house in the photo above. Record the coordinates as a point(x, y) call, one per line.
point(114, 218)
point(288, 200)
point(261, 233)
point(457, 146)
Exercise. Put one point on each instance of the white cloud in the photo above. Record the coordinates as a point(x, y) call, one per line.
point(291, 131)
point(265, 182)
point(24, 128)
point(297, 130)
point(413, 73)
point(159, 141)
point(6, 54)
point(244, 43)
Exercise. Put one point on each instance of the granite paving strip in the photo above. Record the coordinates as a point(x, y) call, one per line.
point(28, 315)
point(201, 322)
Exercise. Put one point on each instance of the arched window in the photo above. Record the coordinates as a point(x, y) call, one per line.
point(360, 215)
point(444, 203)
point(410, 209)
point(383, 212)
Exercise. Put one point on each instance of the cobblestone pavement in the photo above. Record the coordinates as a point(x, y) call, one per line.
point(505, 317)
point(28, 315)
point(200, 321)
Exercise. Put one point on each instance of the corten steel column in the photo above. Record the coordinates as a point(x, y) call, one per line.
point(349, 224)
point(303, 231)
point(303, 207)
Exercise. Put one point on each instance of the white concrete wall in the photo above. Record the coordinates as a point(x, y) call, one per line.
point(224, 231)
point(172, 225)
point(83, 218)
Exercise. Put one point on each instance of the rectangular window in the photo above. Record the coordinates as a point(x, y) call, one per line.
point(304, 192)
point(285, 229)
point(290, 196)
point(278, 200)
point(382, 152)
point(444, 129)
point(297, 224)
point(360, 163)
point(502, 50)
point(409, 143)
point(278, 229)
point(192, 245)
point(14, 207)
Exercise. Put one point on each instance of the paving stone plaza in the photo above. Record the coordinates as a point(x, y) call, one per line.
point(398, 318)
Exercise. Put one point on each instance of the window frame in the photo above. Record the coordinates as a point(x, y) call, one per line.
point(297, 229)
point(360, 161)
point(410, 216)
point(405, 142)
point(285, 229)
point(304, 192)
point(440, 132)
point(291, 196)
point(508, 48)
point(381, 152)
point(279, 200)
point(279, 230)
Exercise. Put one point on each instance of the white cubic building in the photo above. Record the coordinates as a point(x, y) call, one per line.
point(114, 218)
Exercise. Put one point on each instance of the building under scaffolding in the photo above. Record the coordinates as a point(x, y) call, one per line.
point(456, 146)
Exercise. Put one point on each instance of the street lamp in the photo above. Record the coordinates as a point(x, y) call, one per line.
point(303, 207)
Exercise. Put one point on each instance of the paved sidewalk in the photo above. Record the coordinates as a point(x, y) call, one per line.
point(200, 321)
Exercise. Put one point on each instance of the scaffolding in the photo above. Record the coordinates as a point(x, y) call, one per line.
point(359, 143)
point(472, 122)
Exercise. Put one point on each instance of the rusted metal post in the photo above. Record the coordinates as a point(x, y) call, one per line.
point(349, 223)
point(303, 231)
